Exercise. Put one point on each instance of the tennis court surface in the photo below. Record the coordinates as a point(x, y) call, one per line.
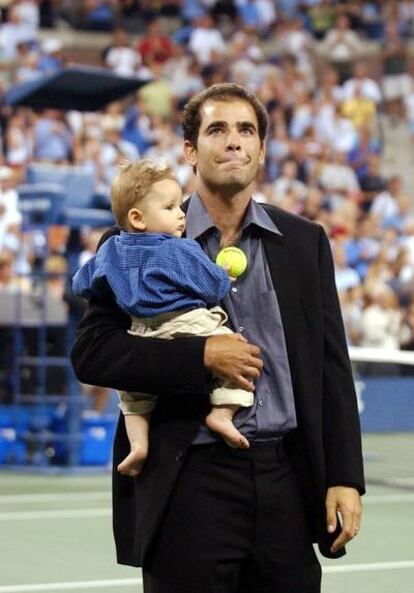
point(56, 536)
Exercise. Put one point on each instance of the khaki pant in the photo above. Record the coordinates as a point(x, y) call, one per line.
point(197, 322)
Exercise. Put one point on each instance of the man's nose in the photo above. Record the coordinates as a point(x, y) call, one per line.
point(233, 141)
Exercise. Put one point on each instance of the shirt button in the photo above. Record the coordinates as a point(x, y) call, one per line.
point(241, 329)
point(234, 289)
point(261, 402)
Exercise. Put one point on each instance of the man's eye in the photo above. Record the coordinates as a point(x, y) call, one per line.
point(215, 130)
point(248, 131)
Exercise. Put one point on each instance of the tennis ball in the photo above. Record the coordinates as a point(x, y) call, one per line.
point(233, 260)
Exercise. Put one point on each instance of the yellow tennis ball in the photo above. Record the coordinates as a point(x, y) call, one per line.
point(233, 260)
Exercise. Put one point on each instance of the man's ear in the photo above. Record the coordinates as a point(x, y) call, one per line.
point(136, 220)
point(190, 153)
point(262, 154)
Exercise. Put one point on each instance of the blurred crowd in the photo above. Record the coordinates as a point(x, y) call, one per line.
point(327, 97)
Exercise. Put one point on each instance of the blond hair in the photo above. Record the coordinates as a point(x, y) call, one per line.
point(133, 183)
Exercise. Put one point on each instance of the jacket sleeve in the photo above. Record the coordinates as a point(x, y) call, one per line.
point(342, 433)
point(105, 354)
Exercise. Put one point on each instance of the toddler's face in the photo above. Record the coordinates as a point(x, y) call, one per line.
point(161, 209)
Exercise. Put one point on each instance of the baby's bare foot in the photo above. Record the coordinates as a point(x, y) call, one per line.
point(226, 429)
point(133, 463)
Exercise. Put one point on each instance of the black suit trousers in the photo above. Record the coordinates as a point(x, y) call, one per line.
point(235, 524)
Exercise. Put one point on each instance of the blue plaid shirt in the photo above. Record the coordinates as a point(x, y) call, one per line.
point(152, 273)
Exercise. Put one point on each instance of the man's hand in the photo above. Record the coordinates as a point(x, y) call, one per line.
point(232, 359)
point(347, 502)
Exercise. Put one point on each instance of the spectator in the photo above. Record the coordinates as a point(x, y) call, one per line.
point(345, 276)
point(10, 214)
point(298, 43)
point(372, 182)
point(372, 23)
point(51, 58)
point(183, 73)
point(408, 108)
point(361, 84)
point(359, 109)
point(407, 329)
point(14, 32)
point(155, 46)
point(52, 138)
point(288, 182)
point(337, 178)
point(156, 97)
point(390, 204)
point(406, 18)
point(26, 64)
point(19, 140)
point(368, 145)
point(342, 47)
point(381, 319)
point(322, 18)
point(396, 83)
point(121, 58)
point(205, 40)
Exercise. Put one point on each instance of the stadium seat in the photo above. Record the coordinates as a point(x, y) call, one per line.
point(41, 204)
point(77, 185)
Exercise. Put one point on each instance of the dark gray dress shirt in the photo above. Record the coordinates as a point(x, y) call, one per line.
point(253, 311)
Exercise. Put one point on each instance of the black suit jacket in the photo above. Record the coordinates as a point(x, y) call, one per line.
point(325, 448)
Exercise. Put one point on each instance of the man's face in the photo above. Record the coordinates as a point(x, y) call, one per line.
point(229, 152)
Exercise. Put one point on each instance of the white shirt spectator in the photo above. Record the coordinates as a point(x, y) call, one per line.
point(284, 185)
point(380, 327)
point(369, 89)
point(345, 136)
point(346, 278)
point(385, 206)
point(12, 34)
point(267, 12)
point(204, 41)
point(337, 177)
point(9, 200)
point(123, 60)
point(28, 12)
point(341, 46)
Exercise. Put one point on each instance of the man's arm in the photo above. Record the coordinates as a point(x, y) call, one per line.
point(105, 354)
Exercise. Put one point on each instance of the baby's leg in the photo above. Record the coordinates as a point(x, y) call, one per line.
point(137, 427)
point(220, 420)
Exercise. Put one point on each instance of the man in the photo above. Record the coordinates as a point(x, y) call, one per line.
point(201, 517)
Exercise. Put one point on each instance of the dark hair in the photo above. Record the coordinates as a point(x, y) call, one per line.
point(225, 91)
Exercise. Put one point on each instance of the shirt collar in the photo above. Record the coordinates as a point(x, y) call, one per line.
point(199, 221)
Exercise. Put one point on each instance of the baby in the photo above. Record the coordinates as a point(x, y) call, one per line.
point(166, 284)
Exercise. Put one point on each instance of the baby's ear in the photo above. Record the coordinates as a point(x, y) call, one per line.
point(136, 220)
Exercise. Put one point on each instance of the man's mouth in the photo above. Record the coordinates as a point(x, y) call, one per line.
point(233, 161)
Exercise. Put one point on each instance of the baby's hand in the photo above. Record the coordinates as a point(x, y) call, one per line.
point(133, 463)
point(227, 269)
